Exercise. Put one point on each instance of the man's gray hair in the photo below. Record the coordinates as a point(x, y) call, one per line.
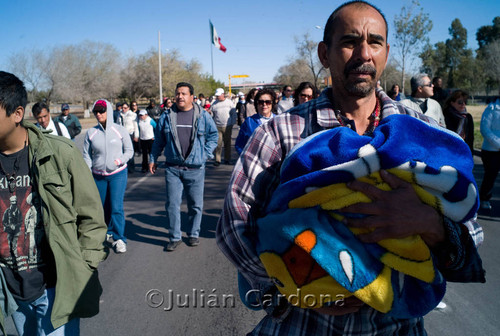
point(416, 81)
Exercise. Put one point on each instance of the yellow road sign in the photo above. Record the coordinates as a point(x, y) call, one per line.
point(235, 76)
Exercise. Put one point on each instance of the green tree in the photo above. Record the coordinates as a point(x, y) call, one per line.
point(453, 61)
point(492, 59)
point(434, 60)
point(411, 28)
point(487, 34)
point(469, 75)
point(456, 50)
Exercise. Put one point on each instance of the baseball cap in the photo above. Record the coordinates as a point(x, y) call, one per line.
point(100, 106)
point(64, 107)
point(241, 94)
point(219, 92)
point(143, 112)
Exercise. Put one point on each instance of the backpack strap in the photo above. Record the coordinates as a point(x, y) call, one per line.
point(58, 128)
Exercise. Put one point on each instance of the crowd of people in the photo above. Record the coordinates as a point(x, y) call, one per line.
point(189, 131)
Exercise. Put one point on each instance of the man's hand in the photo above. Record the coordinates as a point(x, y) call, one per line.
point(152, 167)
point(398, 213)
point(349, 305)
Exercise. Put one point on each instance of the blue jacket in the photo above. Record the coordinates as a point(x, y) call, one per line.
point(246, 131)
point(204, 138)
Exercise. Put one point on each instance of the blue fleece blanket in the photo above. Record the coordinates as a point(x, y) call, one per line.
point(315, 259)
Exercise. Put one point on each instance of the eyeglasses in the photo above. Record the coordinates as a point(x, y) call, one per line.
point(262, 102)
point(304, 96)
point(461, 102)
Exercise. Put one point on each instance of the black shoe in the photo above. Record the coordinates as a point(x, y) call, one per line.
point(216, 163)
point(192, 241)
point(173, 245)
point(227, 162)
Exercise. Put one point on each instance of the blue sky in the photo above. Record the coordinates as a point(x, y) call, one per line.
point(259, 35)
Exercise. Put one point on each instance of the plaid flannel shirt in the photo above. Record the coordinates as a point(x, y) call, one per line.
point(254, 179)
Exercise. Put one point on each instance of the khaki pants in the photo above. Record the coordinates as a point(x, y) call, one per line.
point(224, 137)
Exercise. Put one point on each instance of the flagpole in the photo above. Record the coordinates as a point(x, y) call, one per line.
point(159, 68)
point(211, 47)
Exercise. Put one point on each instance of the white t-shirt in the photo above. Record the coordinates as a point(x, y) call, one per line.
point(53, 128)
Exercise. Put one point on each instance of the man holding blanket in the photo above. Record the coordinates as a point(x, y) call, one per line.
point(355, 49)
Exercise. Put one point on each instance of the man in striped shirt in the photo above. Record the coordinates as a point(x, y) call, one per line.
point(355, 49)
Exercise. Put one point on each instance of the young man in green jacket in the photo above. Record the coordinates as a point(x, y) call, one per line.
point(49, 252)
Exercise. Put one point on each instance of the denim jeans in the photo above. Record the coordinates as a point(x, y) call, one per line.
point(193, 182)
point(33, 318)
point(113, 186)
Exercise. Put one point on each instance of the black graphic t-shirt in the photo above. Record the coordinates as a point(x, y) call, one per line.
point(25, 257)
point(184, 129)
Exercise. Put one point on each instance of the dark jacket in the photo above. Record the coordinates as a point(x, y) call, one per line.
point(241, 112)
point(72, 124)
point(452, 122)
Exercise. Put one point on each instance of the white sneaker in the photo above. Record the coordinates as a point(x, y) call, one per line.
point(120, 246)
point(486, 205)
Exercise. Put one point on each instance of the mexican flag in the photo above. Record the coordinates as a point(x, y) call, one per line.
point(216, 38)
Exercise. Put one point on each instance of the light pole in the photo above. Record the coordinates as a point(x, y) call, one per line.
point(159, 68)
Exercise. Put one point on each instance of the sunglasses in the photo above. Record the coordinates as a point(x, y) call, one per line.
point(100, 112)
point(429, 85)
point(262, 102)
point(461, 102)
point(304, 96)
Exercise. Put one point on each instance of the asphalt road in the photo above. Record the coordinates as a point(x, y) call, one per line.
point(474, 309)
point(201, 281)
point(138, 285)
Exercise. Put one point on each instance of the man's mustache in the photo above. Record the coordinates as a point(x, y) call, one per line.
point(362, 68)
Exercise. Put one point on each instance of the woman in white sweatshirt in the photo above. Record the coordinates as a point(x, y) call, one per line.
point(147, 128)
point(130, 123)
